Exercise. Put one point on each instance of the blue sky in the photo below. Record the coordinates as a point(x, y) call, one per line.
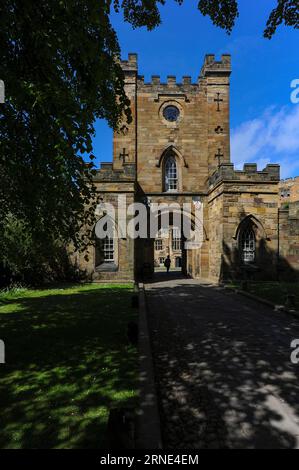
point(264, 121)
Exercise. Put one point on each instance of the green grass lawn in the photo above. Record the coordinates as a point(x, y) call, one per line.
point(67, 361)
point(276, 292)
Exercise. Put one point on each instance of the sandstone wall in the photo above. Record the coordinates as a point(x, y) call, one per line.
point(289, 242)
point(236, 196)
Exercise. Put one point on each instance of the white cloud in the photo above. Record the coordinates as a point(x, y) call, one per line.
point(272, 137)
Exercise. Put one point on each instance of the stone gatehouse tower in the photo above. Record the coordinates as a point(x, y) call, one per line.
point(177, 149)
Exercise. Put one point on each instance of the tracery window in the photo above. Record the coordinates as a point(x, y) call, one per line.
point(248, 245)
point(171, 174)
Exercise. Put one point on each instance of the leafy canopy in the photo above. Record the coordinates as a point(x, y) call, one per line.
point(58, 65)
point(223, 13)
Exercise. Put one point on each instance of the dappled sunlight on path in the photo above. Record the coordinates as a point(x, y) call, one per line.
point(223, 368)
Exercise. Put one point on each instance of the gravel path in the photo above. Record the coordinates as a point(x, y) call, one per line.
point(223, 369)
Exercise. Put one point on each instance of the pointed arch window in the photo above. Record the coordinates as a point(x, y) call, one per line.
point(248, 245)
point(171, 174)
point(105, 251)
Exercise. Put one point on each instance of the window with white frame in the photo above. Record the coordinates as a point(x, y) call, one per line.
point(159, 244)
point(108, 249)
point(248, 245)
point(171, 175)
point(176, 239)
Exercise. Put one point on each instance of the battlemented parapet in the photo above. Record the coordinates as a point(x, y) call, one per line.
point(107, 173)
point(227, 172)
point(215, 67)
point(211, 67)
point(171, 80)
point(131, 64)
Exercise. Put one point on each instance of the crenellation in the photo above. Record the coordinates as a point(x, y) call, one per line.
point(132, 58)
point(155, 79)
point(107, 172)
point(130, 65)
point(250, 167)
point(226, 59)
point(171, 80)
point(213, 67)
point(157, 87)
point(226, 171)
point(273, 170)
point(209, 59)
point(106, 166)
point(186, 80)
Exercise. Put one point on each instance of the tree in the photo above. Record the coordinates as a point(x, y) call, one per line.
point(287, 12)
point(223, 13)
point(28, 260)
point(60, 65)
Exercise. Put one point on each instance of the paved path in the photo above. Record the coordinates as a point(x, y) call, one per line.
point(223, 369)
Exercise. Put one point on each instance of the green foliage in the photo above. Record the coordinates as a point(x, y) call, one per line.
point(223, 13)
point(10, 292)
point(58, 62)
point(27, 259)
point(287, 12)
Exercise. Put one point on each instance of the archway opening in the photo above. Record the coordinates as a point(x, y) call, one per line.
point(168, 246)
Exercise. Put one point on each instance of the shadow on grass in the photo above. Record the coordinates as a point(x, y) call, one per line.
point(67, 361)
